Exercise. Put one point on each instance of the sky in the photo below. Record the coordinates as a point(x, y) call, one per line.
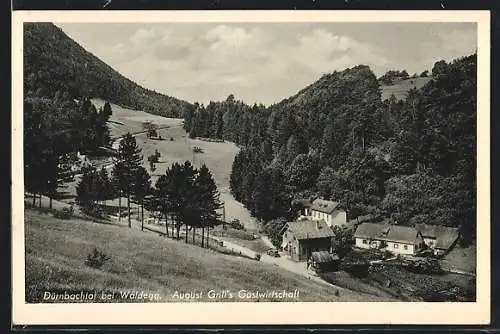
point(264, 62)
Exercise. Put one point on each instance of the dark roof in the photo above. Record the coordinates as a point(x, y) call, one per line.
point(324, 257)
point(310, 229)
point(445, 236)
point(303, 202)
point(324, 206)
point(397, 233)
point(400, 233)
point(371, 230)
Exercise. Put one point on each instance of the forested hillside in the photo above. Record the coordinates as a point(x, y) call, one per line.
point(412, 161)
point(53, 63)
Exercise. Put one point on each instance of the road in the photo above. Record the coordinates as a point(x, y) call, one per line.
point(283, 261)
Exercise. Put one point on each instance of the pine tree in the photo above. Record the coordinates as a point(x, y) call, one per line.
point(207, 201)
point(128, 161)
point(142, 188)
point(87, 190)
point(187, 195)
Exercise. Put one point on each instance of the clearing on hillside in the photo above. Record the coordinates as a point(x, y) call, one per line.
point(400, 88)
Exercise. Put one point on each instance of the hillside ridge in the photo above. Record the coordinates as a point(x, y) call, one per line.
point(53, 62)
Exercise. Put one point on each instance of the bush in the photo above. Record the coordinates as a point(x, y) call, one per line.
point(355, 264)
point(235, 223)
point(427, 266)
point(92, 210)
point(65, 213)
point(171, 138)
point(96, 259)
point(257, 257)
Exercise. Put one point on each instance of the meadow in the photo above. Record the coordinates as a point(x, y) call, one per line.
point(139, 261)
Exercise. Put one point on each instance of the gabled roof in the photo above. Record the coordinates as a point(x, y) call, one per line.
point(324, 206)
point(404, 234)
point(371, 230)
point(310, 229)
point(445, 236)
point(324, 257)
point(396, 233)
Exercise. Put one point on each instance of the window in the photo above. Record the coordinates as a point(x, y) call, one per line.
point(396, 245)
point(406, 247)
point(364, 241)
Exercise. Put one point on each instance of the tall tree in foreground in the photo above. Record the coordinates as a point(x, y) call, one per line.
point(128, 161)
point(187, 196)
point(87, 190)
point(142, 188)
point(207, 201)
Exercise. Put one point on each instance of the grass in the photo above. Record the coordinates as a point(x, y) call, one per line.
point(400, 88)
point(217, 156)
point(125, 120)
point(459, 258)
point(56, 251)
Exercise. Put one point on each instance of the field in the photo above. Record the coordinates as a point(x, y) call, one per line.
point(177, 147)
point(400, 88)
point(462, 259)
point(139, 261)
point(126, 120)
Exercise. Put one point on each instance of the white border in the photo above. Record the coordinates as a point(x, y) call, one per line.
point(256, 313)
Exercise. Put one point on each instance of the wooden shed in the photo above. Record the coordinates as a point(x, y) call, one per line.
point(324, 261)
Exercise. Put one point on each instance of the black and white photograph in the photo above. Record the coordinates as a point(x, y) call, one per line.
point(250, 161)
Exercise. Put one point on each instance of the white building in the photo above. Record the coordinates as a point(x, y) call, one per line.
point(328, 211)
point(395, 238)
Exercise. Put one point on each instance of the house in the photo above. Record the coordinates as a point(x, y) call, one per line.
point(438, 238)
point(303, 237)
point(395, 238)
point(324, 261)
point(320, 209)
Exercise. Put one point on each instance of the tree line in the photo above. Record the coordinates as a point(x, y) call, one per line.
point(410, 160)
point(53, 129)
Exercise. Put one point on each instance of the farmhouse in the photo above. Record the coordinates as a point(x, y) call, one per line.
point(304, 237)
point(395, 238)
point(438, 238)
point(320, 209)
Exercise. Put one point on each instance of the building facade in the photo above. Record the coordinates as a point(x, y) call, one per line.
point(303, 237)
point(397, 239)
point(327, 211)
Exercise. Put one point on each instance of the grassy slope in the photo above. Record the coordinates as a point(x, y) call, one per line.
point(400, 88)
point(56, 250)
point(217, 156)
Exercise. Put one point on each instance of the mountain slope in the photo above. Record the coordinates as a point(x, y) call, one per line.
point(54, 62)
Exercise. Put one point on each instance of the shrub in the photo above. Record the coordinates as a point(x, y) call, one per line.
point(235, 223)
point(427, 266)
point(92, 210)
point(96, 259)
point(355, 264)
point(171, 138)
point(65, 213)
point(257, 257)
point(337, 293)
